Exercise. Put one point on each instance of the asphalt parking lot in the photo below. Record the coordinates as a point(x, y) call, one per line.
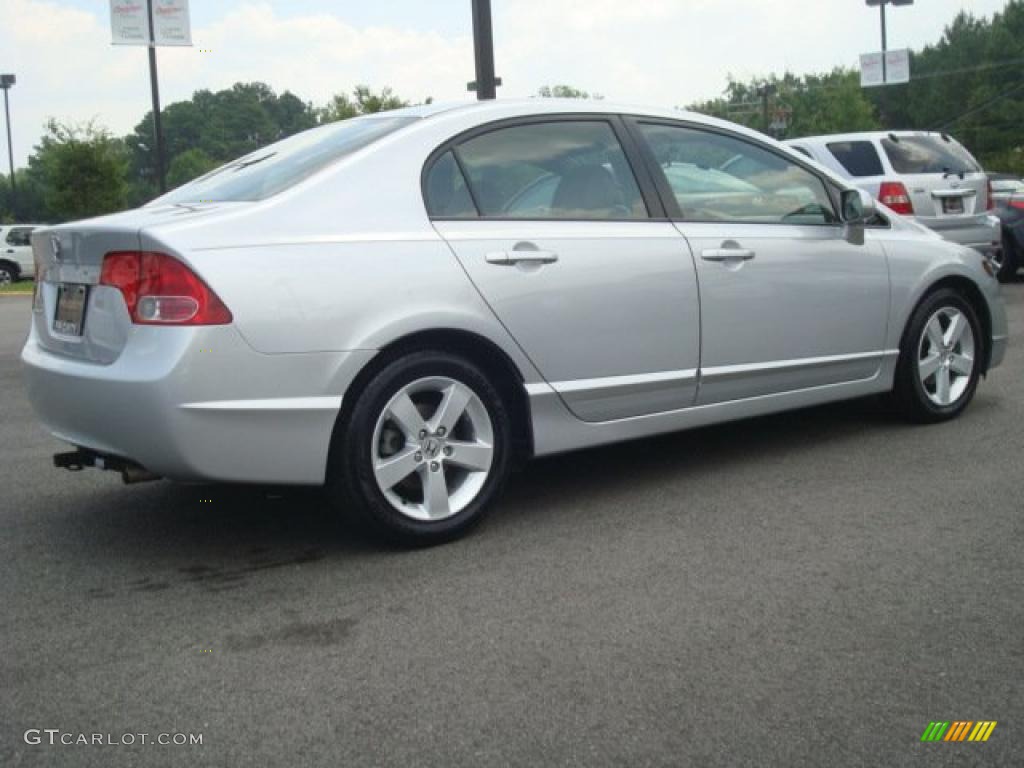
point(810, 589)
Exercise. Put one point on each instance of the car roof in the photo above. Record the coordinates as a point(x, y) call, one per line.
point(546, 106)
point(499, 108)
point(860, 136)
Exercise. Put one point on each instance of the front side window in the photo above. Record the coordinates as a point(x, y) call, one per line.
point(557, 170)
point(19, 236)
point(715, 177)
point(859, 158)
point(928, 154)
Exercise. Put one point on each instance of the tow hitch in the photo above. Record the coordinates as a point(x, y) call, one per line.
point(76, 461)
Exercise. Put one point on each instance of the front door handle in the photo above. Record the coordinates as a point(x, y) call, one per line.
point(727, 254)
point(510, 258)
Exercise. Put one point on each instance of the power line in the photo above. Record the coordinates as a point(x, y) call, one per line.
point(966, 70)
point(982, 107)
point(804, 87)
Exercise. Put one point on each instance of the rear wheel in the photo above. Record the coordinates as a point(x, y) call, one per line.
point(425, 449)
point(940, 358)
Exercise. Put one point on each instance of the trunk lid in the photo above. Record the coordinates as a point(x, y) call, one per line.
point(69, 259)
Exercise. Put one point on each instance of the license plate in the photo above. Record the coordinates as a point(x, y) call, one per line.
point(952, 205)
point(70, 316)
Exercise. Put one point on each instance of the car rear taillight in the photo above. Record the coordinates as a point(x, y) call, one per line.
point(160, 290)
point(894, 195)
point(1017, 202)
point(991, 198)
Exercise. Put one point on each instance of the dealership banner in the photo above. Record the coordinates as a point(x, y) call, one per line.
point(129, 22)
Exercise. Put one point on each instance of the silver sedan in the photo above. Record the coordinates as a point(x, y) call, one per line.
point(403, 307)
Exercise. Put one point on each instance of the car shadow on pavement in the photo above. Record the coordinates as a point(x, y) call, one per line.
point(216, 533)
point(166, 516)
point(646, 463)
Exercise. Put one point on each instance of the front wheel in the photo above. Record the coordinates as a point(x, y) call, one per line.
point(940, 358)
point(425, 449)
point(1006, 263)
point(7, 275)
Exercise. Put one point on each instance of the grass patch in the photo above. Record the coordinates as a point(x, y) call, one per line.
point(21, 288)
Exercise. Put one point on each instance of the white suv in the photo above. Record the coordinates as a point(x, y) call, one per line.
point(16, 252)
point(927, 176)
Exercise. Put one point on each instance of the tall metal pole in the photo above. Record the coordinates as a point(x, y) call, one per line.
point(157, 125)
point(885, 43)
point(10, 154)
point(486, 84)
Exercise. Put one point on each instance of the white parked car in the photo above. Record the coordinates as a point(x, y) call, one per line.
point(928, 176)
point(16, 252)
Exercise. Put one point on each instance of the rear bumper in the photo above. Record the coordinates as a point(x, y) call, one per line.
point(983, 234)
point(197, 404)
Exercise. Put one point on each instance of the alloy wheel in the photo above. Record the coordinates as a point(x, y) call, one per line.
point(433, 447)
point(946, 356)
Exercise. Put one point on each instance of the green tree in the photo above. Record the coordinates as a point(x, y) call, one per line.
point(363, 101)
point(797, 106)
point(82, 169)
point(565, 92)
point(222, 125)
point(29, 205)
point(190, 164)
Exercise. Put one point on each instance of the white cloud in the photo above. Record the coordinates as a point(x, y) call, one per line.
point(668, 52)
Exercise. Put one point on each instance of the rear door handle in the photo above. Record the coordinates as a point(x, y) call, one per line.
point(509, 258)
point(726, 254)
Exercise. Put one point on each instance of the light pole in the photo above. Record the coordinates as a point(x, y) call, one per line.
point(158, 131)
point(6, 81)
point(885, 39)
point(486, 84)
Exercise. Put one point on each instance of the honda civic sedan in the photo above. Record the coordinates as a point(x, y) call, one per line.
point(404, 307)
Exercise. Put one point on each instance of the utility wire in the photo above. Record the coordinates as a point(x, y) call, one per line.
point(982, 107)
point(804, 87)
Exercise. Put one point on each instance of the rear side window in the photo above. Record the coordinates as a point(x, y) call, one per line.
point(446, 191)
point(928, 154)
point(859, 158)
point(558, 170)
point(279, 166)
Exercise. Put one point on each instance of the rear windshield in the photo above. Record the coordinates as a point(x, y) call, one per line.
point(277, 167)
point(859, 158)
point(928, 154)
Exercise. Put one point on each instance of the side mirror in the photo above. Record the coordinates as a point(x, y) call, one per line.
point(858, 207)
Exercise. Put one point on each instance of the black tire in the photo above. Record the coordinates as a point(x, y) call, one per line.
point(352, 484)
point(1011, 261)
point(8, 275)
point(909, 391)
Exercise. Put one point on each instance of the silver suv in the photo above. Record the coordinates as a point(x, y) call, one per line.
point(927, 176)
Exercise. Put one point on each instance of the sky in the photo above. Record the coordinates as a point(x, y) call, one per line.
point(657, 52)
